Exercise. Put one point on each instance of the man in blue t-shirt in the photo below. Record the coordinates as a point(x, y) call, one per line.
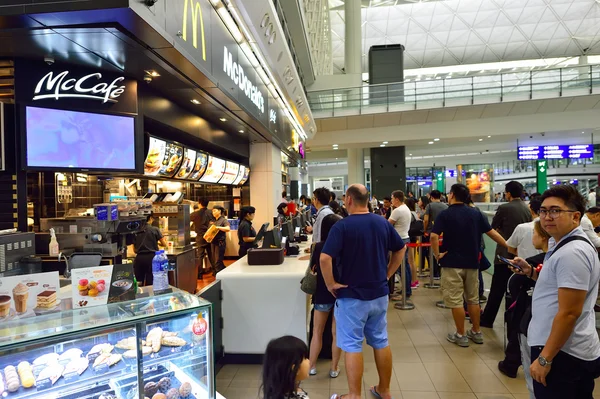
point(462, 227)
point(360, 244)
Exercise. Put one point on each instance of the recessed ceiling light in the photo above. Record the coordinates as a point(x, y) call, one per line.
point(489, 137)
point(154, 74)
point(241, 131)
point(582, 132)
point(431, 142)
point(480, 139)
point(410, 155)
point(335, 145)
point(194, 101)
point(436, 139)
point(223, 119)
point(385, 142)
point(382, 145)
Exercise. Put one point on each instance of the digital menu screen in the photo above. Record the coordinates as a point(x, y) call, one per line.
point(200, 166)
point(171, 161)
point(240, 175)
point(246, 175)
point(156, 154)
point(231, 172)
point(575, 151)
point(214, 170)
point(187, 166)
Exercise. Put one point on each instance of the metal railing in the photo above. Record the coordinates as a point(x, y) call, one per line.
point(452, 92)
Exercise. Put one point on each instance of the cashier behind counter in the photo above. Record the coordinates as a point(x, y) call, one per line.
point(146, 244)
point(246, 233)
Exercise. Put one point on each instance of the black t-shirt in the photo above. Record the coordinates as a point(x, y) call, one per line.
point(220, 222)
point(245, 229)
point(147, 241)
point(322, 296)
point(201, 219)
point(462, 227)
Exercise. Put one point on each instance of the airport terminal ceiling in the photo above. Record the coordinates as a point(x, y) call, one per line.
point(455, 32)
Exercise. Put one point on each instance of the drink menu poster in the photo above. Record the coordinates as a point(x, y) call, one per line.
point(29, 295)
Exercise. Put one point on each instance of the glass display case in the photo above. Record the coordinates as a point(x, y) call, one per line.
point(158, 347)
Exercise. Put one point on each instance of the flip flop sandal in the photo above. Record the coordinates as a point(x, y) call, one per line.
point(336, 396)
point(375, 393)
point(396, 298)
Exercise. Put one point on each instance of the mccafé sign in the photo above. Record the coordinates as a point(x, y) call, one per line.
point(91, 87)
point(193, 6)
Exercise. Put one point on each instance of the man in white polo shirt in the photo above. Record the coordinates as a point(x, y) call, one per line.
point(565, 349)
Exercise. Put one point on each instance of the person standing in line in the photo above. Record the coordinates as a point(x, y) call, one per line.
point(246, 233)
point(282, 213)
point(433, 209)
point(386, 209)
point(321, 200)
point(201, 219)
point(219, 243)
point(591, 198)
point(462, 227)
point(589, 222)
point(422, 206)
point(360, 244)
point(374, 202)
point(411, 203)
point(520, 243)
point(284, 197)
point(400, 219)
point(565, 348)
point(323, 302)
point(508, 216)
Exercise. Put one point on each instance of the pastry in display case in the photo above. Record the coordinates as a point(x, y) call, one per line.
point(156, 347)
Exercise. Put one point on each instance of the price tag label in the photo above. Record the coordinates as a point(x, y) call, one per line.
point(71, 376)
point(44, 384)
point(200, 326)
point(101, 369)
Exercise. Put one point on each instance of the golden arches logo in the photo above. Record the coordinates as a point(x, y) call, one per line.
point(196, 14)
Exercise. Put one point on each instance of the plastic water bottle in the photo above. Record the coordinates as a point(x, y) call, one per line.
point(158, 283)
point(165, 268)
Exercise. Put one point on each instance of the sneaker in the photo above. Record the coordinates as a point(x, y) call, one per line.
point(414, 285)
point(507, 371)
point(482, 298)
point(476, 337)
point(459, 340)
point(334, 373)
point(313, 371)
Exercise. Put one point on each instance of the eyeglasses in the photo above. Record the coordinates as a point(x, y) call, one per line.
point(553, 213)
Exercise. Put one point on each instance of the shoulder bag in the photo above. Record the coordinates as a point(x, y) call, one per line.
point(416, 227)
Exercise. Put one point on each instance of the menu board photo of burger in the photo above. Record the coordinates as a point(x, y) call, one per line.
point(187, 166)
point(200, 167)
point(172, 160)
point(214, 170)
point(154, 159)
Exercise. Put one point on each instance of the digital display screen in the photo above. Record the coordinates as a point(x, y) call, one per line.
point(156, 153)
point(187, 166)
point(79, 140)
point(172, 160)
point(200, 166)
point(240, 175)
point(231, 172)
point(574, 151)
point(246, 175)
point(214, 170)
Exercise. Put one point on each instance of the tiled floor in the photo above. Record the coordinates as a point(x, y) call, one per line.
point(426, 366)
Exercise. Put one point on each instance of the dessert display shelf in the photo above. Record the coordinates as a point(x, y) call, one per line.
point(158, 347)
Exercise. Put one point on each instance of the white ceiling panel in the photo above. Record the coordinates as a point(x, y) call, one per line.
point(451, 32)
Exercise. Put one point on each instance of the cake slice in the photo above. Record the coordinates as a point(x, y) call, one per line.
point(46, 299)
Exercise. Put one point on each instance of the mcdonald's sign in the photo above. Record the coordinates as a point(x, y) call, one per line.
point(196, 13)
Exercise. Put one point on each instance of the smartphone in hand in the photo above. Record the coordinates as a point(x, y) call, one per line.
point(508, 262)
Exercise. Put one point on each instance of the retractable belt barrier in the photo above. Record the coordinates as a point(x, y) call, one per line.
point(432, 284)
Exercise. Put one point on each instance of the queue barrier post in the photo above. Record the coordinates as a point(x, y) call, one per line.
point(432, 284)
point(404, 304)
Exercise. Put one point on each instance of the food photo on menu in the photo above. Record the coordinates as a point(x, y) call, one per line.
point(28, 295)
point(171, 161)
point(188, 164)
point(156, 154)
point(200, 167)
point(91, 286)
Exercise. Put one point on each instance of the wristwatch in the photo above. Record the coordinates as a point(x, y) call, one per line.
point(543, 361)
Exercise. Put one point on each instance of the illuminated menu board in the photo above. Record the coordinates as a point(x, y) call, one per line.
point(200, 167)
point(574, 151)
point(245, 178)
point(154, 159)
point(187, 166)
point(231, 172)
point(240, 175)
point(214, 170)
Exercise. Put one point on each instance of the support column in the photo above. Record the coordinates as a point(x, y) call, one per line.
point(353, 42)
point(265, 181)
point(356, 166)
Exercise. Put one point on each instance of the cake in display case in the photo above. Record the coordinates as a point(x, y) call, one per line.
point(158, 347)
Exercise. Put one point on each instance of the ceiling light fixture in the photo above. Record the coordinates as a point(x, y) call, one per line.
point(436, 139)
point(154, 74)
point(194, 101)
point(480, 139)
point(382, 145)
point(431, 142)
point(385, 142)
point(223, 119)
point(410, 155)
point(489, 137)
point(241, 131)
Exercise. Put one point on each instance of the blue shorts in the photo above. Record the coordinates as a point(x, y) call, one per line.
point(357, 320)
point(323, 307)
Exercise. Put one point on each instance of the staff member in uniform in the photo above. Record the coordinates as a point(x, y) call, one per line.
point(218, 243)
point(201, 219)
point(146, 245)
point(246, 232)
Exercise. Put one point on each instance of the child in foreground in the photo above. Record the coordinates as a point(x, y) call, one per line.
point(285, 365)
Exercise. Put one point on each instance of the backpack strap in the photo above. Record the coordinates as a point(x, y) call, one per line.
point(568, 240)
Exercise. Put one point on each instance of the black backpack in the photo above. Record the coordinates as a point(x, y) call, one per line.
point(416, 227)
point(526, 319)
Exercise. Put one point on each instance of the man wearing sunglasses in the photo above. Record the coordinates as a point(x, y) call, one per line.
point(565, 349)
